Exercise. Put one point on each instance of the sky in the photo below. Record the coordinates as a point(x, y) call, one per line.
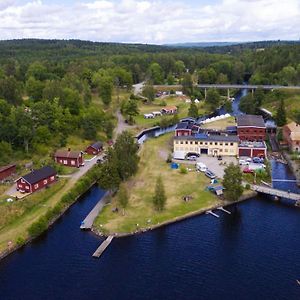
point(151, 21)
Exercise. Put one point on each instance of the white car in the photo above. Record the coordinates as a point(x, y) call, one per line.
point(243, 162)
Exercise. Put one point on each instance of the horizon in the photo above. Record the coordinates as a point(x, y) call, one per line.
point(151, 22)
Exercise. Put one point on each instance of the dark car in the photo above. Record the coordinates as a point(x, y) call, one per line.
point(99, 161)
point(210, 174)
point(220, 157)
point(257, 160)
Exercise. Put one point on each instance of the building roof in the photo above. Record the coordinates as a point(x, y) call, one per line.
point(40, 174)
point(67, 154)
point(295, 131)
point(184, 125)
point(4, 168)
point(173, 107)
point(98, 145)
point(250, 121)
point(205, 137)
point(255, 145)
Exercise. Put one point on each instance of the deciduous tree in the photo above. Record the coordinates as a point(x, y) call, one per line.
point(232, 182)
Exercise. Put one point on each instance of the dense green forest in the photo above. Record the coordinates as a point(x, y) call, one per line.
point(51, 89)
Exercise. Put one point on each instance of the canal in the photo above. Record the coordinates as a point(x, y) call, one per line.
point(251, 254)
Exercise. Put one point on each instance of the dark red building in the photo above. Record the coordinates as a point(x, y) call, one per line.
point(186, 129)
point(7, 171)
point(251, 128)
point(69, 158)
point(94, 149)
point(252, 149)
point(36, 180)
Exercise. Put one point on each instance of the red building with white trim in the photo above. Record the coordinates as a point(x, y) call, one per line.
point(7, 171)
point(36, 180)
point(69, 158)
point(251, 128)
point(94, 149)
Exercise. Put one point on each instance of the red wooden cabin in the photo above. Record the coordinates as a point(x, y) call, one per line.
point(69, 158)
point(94, 149)
point(36, 180)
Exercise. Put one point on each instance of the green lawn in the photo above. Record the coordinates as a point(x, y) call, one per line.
point(141, 189)
point(221, 124)
point(156, 105)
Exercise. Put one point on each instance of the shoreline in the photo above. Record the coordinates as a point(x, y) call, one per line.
point(192, 214)
point(14, 248)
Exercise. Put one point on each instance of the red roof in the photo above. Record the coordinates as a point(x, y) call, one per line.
point(4, 168)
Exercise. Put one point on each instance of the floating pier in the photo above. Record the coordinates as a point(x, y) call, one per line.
point(212, 213)
point(102, 247)
point(225, 210)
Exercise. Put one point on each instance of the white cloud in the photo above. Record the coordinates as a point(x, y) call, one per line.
point(151, 21)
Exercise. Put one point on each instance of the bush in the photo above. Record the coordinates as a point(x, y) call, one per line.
point(247, 187)
point(20, 241)
point(183, 170)
point(38, 227)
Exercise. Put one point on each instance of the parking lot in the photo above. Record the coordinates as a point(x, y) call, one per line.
point(215, 165)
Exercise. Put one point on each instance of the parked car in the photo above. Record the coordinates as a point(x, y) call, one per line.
point(99, 161)
point(247, 170)
point(243, 162)
point(210, 174)
point(220, 157)
point(201, 167)
point(192, 154)
point(193, 157)
point(249, 159)
point(256, 160)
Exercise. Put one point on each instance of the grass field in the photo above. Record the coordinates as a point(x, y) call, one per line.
point(17, 216)
point(291, 101)
point(220, 124)
point(141, 188)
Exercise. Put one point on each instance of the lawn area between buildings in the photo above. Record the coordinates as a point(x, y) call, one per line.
point(220, 124)
point(141, 189)
point(158, 104)
point(17, 216)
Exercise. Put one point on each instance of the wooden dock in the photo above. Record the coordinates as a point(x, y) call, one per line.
point(212, 213)
point(87, 223)
point(225, 210)
point(102, 247)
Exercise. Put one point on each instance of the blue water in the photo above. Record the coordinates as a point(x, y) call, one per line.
point(251, 254)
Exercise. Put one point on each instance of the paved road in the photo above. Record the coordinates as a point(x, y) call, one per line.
point(121, 126)
point(137, 88)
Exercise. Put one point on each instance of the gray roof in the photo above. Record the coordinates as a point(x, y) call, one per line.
point(98, 145)
point(210, 138)
point(40, 174)
point(250, 121)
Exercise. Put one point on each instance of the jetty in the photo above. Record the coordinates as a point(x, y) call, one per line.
point(212, 213)
point(87, 223)
point(102, 247)
point(225, 210)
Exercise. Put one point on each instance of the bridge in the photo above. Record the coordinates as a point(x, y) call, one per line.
point(275, 192)
point(227, 87)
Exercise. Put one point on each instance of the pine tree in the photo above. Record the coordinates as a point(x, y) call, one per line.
point(193, 110)
point(123, 198)
point(232, 182)
point(281, 114)
point(159, 198)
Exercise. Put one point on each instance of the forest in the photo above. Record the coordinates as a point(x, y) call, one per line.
point(53, 89)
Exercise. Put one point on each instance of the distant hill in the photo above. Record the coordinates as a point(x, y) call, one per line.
point(202, 44)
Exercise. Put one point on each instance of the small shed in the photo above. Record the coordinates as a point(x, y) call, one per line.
point(7, 171)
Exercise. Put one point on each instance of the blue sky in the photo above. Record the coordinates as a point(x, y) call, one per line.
point(151, 21)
